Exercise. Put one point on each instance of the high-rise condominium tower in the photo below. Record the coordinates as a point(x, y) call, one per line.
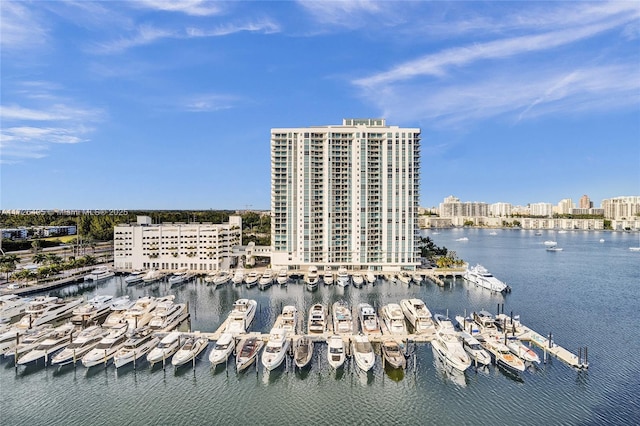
point(345, 195)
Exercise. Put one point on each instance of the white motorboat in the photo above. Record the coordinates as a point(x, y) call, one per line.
point(166, 348)
point(48, 309)
point(449, 347)
point(96, 309)
point(369, 323)
point(134, 277)
point(343, 277)
point(276, 349)
point(179, 277)
point(136, 347)
point(443, 323)
point(247, 351)
point(363, 352)
point(358, 279)
point(634, 248)
point(404, 278)
point(327, 277)
point(370, 277)
point(444, 370)
point(119, 308)
point(462, 239)
point(167, 315)
point(251, 279)
point(84, 342)
point(210, 277)
point(417, 278)
point(312, 279)
point(476, 352)
point(303, 351)
point(503, 356)
point(283, 277)
point(550, 243)
point(55, 341)
point(140, 313)
point(486, 322)
point(152, 276)
point(335, 351)
point(467, 324)
point(418, 316)
point(342, 318)
point(508, 323)
point(222, 278)
point(317, 322)
point(394, 319)
point(27, 341)
point(12, 306)
point(190, 351)
point(11, 337)
point(107, 347)
point(522, 351)
point(552, 249)
point(99, 273)
point(289, 319)
point(238, 276)
point(222, 348)
point(241, 316)
point(393, 355)
point(479, 276)
point(266, 279)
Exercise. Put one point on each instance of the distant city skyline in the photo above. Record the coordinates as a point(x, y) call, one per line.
point(157, 105)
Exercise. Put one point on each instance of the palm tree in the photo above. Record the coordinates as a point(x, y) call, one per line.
point(53, 259)
point(39, 258)
point(8, 263)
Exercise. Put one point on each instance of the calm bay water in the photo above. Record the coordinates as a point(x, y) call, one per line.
point(586, 295)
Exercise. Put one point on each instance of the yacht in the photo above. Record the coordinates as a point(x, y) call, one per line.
point(137, 346)
point(276, 349)
point(42, 310)
point(119, 308)
point(485, 321)
point(522, 351)
point(266, 279)
point(223, 347)
point(100, 273)
point(10, 338)
point(303, 351)
point(502, 356)
point(476, 352)
point(467, 324)
point(312, 279)
point(178, 278)
point(394, 319)
point(84, 342)
point(335, 351)
point(370, 277)
point(167, 315)
point(134, 277)
point(417, 278)
point(30, 341)
point(241, 316)
point(479, 276)
point(95, 310)
point(443, 322)
point(55, 341)
point(368, 319)
point(327, 277)
point(342, 319)
point(289, 319)
point(251, 279)
point(418, 316)
point(317, 322)
point(358, 279)
point(449, 347)
point(222, 278)
point(247, 352)
point(12, 306)
point(165, 349)
point(393, 355)
point(404, 278)
point(283, 277)
point(363, 352)
point(107, 347)
point(190, 351)
point(152, 276)
point(343, 277)
point(238, 276)
point(140, 313)
point(210, 277)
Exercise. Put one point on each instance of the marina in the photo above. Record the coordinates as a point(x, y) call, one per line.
point(548, 298)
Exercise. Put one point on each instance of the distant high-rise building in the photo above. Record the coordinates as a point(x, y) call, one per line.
point(585, 202)
point(621, 207)
point(345, 195)
point(565, 206)
point(541, 209)
point(500, 209)
point(452, 207)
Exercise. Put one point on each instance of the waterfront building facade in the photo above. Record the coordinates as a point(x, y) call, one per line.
point(345, 195)
point(500, 209)
point(622, 208)
point(541, 209)
point(196, 247)
point(453, 207)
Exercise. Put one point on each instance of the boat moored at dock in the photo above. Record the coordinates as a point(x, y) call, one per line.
point(99, 274)
point(342, 319)
point(276, 349)
point(418, 315)
point(222, 348)
point(241, 316)
point(317, 322)
point(84, 342)
point(394, 319)
point(363, 352)
point(480, 276)
point(303, 351)
point(166, 348)
point(190, 350)
point(136, 347)
point(369, 322)
point(392, 354)
point(336, 351)
point(247, 351)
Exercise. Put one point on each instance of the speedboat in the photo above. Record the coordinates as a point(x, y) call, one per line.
point(96, 309)
point(317, 321)
point(137, 346)
point(358, 279)
point(283, 277)
point(119, 308)
point(84, 342)
point(418, 316)
point(134, 277)
point(393, 355)
point(107, 347)
point(521, 350)
point(222, 278)
point(247, 352)
point(475, 350)
point(335, 351)
point(394, 319)
point(303, 351)
point(327, 277)
point(266, 279)
point(251, 279)
point(368, 319)
point(42, 310)
point(370, 277)
point(10, 338)
point(140, 313)
point(467, 324)
point(275, 349)
point(241, 316)
point(167, 315)
point(479, 276)
point(223, 347)
point(11, 306)
point(485, 321)
point(449, 347)
point(168, 346)
point(152, 276)
point(312, 279)
point(363, 352)
point(502, 356)
point(289, 319)
point(238, 276)
point(56, 340)
point(100, 273)
point(343, 277)
point(342, 319)
point(190, 350)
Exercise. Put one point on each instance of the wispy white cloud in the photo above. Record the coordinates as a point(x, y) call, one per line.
point(344, 13)
point(263, 26)
point(188, 7)
point(20, 27)
point(210, 102)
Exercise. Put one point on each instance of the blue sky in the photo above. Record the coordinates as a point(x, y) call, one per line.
point(169, 105)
